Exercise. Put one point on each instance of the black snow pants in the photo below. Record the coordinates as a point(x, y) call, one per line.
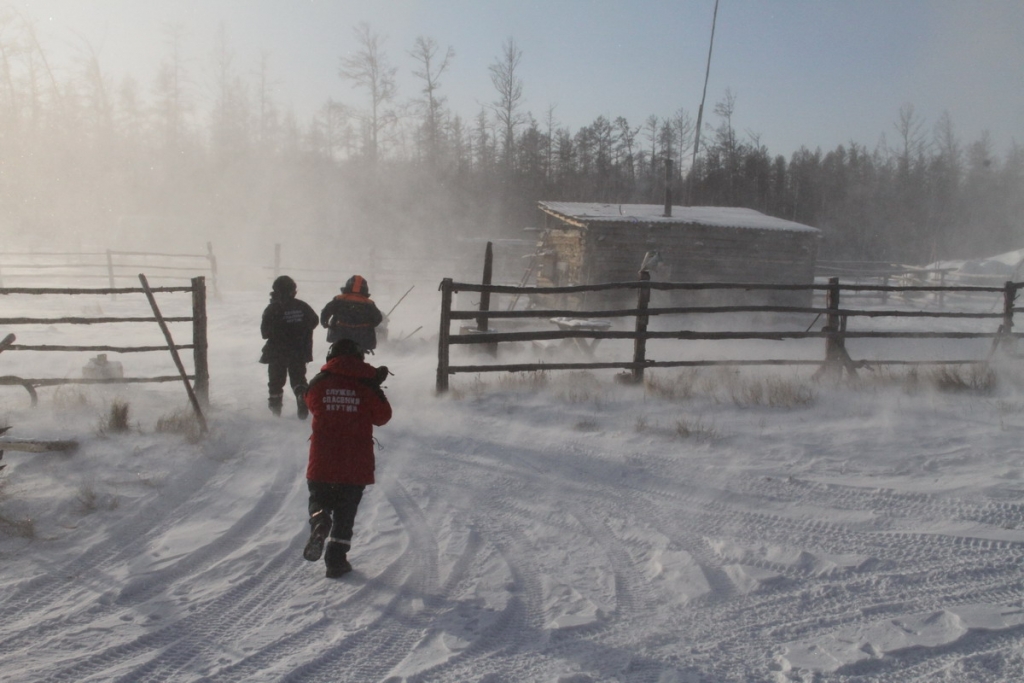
point(280, 370)
point(341, 501)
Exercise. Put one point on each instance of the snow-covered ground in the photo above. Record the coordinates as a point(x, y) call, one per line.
point(713, 526)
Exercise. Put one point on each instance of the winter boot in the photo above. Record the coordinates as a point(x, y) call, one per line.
point(300, 400)
point(336, 557)
point(319, 527)
point(339, 569)
point(274, 403)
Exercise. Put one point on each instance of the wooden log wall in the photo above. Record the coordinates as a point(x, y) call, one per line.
point(614, 252)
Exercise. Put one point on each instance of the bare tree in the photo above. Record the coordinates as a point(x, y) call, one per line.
point(266, 108)
point(37, 51)
point(505, 77)
point(725, 134)
point(98, 104)
point(10, 49)
point(550, 124)
point(948, 145)
point(368, 68)
point(627, 147)
point(912, 141)
point(683, 125)
point(650, 129)
point(171, 82)
point(333, 132)
point(431, 68)
point(230, 113)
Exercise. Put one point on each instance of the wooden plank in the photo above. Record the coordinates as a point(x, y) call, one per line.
point(36, 445)
point(111, 349)
point(753, 286)
point(86, 321)
point(540, 367)
point(689, 335)
point(58, 381)
point(174, 355)
point(79, 290)
point(699, 310)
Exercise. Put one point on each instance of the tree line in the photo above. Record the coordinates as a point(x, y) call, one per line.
point(209, 151)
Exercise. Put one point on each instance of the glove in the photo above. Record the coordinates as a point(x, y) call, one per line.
point(380, 375)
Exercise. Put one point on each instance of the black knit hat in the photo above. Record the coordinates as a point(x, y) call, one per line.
point(344, 347)
point(284, 285)
point(357, 284)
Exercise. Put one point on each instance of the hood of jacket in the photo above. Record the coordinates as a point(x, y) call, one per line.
point(349, 366)
point(354, 297)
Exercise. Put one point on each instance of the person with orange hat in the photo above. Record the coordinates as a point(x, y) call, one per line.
point(353, 315)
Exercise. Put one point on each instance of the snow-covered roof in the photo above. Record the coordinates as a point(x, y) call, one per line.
point(721, 216)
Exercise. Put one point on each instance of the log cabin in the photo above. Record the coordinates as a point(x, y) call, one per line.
point(590, 243)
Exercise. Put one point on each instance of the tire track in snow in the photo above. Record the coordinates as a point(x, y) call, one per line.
point(185, 571)
point(22, 612)
point(997, 583)
point(387, 627)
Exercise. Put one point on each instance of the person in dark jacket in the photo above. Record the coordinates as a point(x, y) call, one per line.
point(347, 402)
point(353, 315)
point(288, 324)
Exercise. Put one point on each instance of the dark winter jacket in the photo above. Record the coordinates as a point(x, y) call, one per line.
point(346, 401)
point(352, 316)
point(287, 325)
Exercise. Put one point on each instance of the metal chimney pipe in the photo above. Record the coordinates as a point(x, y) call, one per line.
point(668, 188)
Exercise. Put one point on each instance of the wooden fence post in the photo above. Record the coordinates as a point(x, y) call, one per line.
point(640, 343)
point(485, 296)
point(832, 319)
point(836, 357)
point(442, 337)
point(1009, 297)
point(213, 267)
point(200, 344)
point(1006, 328)
point(277, 259)
point(110, 268)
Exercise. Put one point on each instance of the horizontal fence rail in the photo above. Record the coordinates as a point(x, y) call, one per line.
point(833, 317)
point(198, 345)
point(111, 265)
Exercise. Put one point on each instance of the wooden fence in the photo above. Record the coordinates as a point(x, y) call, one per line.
point(198, 392)
point(834, 330)
point(111, 265)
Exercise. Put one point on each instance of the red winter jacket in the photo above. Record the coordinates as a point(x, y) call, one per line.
point(346, 405)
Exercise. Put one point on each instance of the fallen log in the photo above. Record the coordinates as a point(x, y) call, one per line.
point(36, 445)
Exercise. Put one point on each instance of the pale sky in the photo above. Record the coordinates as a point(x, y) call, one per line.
point(817, 73)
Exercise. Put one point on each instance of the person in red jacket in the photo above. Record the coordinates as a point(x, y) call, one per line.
point(347, 402)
